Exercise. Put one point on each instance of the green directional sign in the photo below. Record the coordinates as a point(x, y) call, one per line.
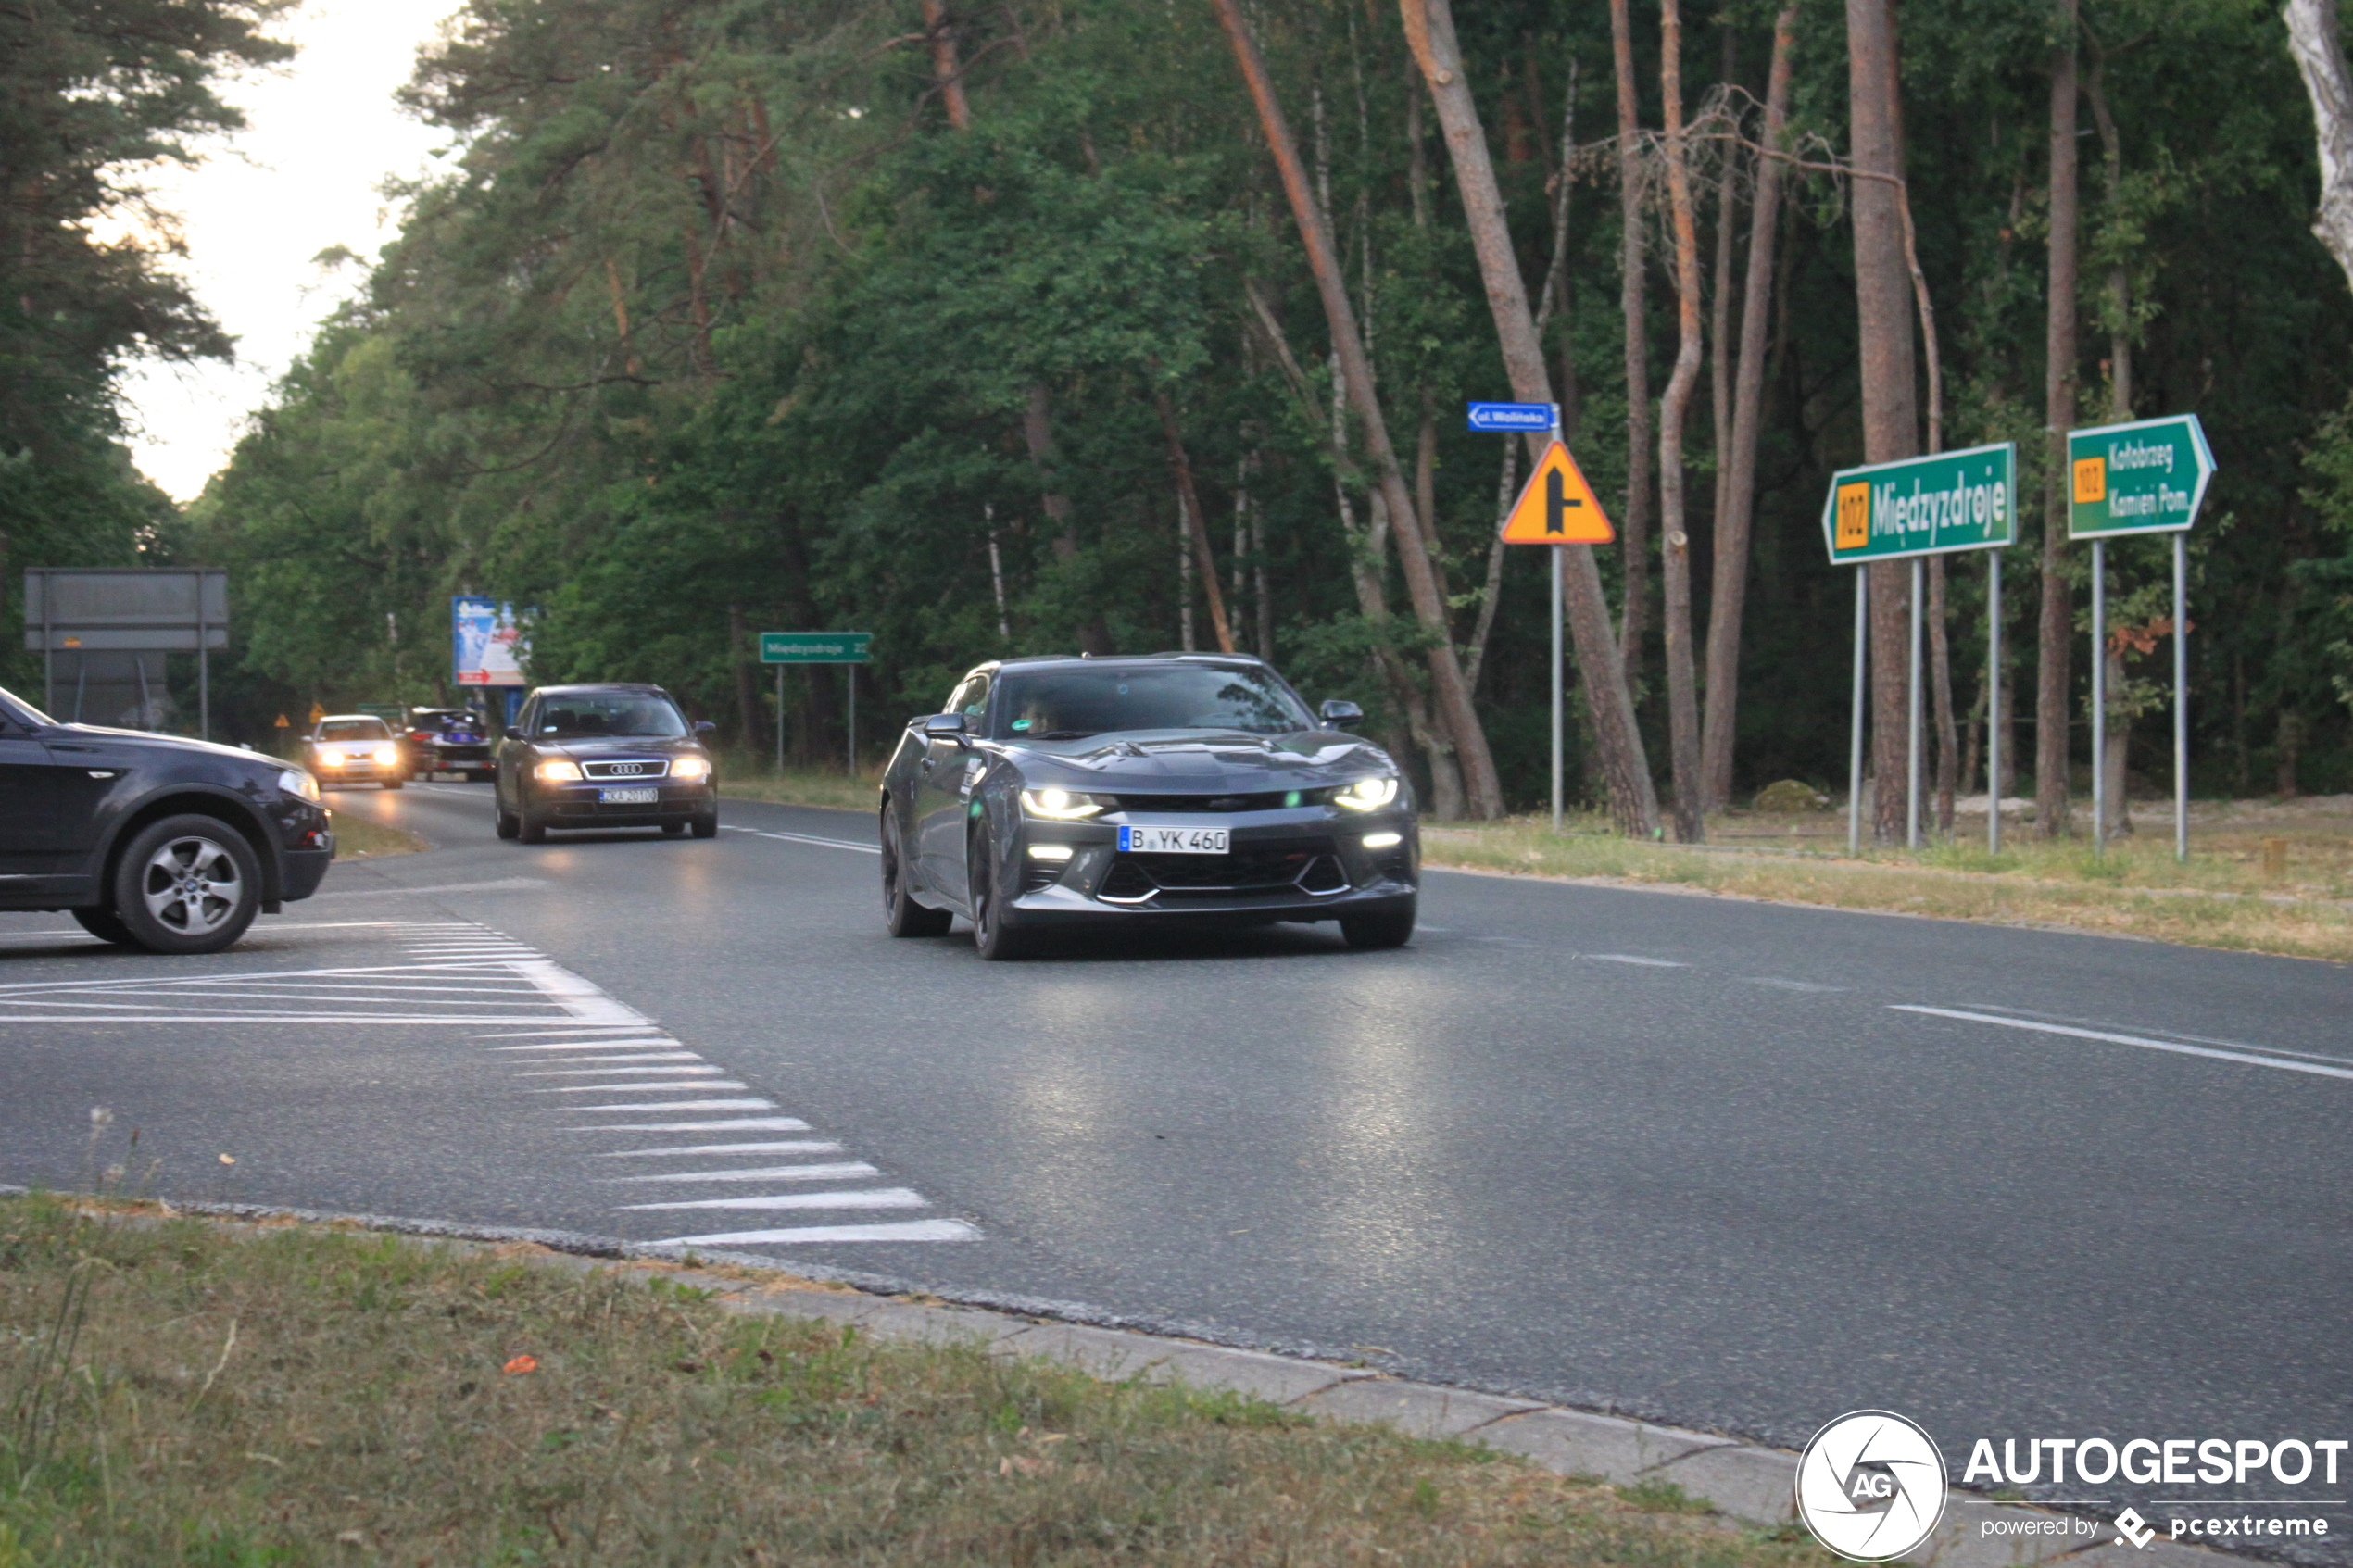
point(1923, 506)
point(814, 647)
point(2147, 477)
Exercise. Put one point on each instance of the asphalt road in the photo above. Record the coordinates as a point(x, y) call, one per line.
point(1712, 1163)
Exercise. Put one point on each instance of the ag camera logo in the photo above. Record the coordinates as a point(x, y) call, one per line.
point(1871, 1486)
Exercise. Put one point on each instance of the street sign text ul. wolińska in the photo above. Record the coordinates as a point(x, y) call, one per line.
point(1923, 506)
point(814, 647)
point(2147, 477)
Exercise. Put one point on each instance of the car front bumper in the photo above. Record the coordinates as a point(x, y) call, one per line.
point(582, 805)
point(1307, 864)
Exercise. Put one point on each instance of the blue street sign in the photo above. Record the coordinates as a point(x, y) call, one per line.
point(1511, 418)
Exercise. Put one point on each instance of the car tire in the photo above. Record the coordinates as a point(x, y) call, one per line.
point(674, 829)
point(530, 826)
point(1371, 933)
point(707, 825)
point(186, 885)
point(510, 825)
point(992, 939)
point(394, 783)
point(901, 915)
point(106, 925)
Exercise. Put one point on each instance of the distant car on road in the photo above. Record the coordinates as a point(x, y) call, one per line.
point(450, 740)
point(346, 749)
point(152, 841)
point(1063, 792)
point(604, 756)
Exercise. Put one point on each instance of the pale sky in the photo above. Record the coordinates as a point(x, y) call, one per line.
point(321, 133)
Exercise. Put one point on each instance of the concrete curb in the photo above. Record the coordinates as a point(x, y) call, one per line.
point(1744, 1481)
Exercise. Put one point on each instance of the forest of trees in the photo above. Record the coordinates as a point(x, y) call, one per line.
point(1125, 325)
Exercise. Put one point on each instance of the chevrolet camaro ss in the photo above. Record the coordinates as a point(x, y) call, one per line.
point(1176, 788)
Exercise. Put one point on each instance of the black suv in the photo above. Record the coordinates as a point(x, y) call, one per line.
point(152, 841)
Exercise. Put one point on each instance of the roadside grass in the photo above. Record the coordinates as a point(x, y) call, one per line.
point(743, 779)
point(356, 838)
point(2218, 900)
point(181, 1392)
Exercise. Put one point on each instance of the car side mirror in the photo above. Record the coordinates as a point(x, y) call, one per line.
point(945, 726)
point(513, 733)
point(705, 727)
point(1339, 714)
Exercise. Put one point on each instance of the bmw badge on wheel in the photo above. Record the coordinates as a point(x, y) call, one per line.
point(1871, 1486)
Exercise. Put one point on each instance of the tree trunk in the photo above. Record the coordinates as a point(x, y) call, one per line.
point(1720, 323)
point(947, 75)
point(1429, 28)
point(1633, 524)
point(2119, 282)
point(2319, 48)
point(1682, 699)
point(753, 733)
point(1196, 522)
point(1733, 519)
point(1890, 412)
point(2057, 624)
point(1450, 693)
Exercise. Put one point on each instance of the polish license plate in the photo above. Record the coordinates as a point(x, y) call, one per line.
point(628, 797)
point(1175, 841)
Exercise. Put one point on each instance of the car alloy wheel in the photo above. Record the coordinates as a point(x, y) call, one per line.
point(1369, 933)
point(187, 884)
point(991, 937)
point(901, 915)
point(707, 824)
point(510, 825)
point(531, 827)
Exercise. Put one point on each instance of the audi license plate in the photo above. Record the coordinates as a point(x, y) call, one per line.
point(628, 797)
point(1175, 841)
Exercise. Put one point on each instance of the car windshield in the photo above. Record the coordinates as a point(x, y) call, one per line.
point(1070, 704)
point(571, 714)
point(355, 729)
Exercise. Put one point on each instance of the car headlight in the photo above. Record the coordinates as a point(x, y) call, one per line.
point(299, 783)
point(691, 768)
point(330, 760)
point(559, 771)
point(1366, 795)
point(1062, 805)
point(386, 756)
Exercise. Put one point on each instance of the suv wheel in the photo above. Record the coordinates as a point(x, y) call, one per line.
point(187, 884)
point(1368, 932)
point(106, 925)
point(901, 915)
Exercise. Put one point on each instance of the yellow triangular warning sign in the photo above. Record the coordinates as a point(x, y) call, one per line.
point(1558, 506)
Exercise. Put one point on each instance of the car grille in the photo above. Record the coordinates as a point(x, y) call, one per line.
point(1262, 800)
point(652, 768)
point(1306, 865)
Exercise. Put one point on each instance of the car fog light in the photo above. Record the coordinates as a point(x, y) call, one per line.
point(1383, 840)
point(386, 756)
point(1367, 795)
point(1050, 851)
point(557, 771)
point(690, 768)
point(1062, 805)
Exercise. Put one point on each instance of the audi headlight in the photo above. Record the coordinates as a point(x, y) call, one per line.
point(1062, 805)
point(559, 771)
point(300, 785)
point(1366, 795)
point(690, 768)
point(386, 756)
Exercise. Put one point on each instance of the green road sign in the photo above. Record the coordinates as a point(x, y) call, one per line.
point(1923, 506)
point(2147, 477)
point(814, 647)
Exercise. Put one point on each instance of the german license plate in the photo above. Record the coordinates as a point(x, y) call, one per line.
point(1175, 841)
point(628, 797)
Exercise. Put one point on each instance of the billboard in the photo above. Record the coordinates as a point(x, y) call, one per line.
point(487, 641)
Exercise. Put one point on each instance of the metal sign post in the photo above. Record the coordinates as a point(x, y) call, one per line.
point(1907, 510)
point(817, 647)
point(2146, 477)
point(1555, 554)
point(1993, 702)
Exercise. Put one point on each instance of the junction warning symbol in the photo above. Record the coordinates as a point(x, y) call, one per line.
point(1558, 506)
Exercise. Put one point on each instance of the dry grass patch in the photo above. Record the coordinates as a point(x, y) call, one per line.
point(810, 786)
point(179, 1392)
point(358, 838)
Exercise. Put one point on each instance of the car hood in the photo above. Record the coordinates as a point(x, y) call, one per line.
point(590, 748)
point(1197, 762)
point(147, 740)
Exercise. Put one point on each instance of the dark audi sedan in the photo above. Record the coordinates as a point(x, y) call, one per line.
point(1176, 788)
point(152, 841)
point(604, 756)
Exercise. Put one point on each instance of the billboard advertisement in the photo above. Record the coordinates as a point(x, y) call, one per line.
point(487, 641)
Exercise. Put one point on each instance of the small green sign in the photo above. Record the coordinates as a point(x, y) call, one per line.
point(814, 647)
point(1923, 506)
point(2147, 477)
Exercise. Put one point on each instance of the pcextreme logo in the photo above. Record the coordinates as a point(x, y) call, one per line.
point(1871, 1486)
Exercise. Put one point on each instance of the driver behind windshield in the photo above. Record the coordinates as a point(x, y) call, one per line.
point(612, 716)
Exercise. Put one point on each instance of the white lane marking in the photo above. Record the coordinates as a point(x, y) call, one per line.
point(680, 1105)
point(628, 1056)
point(604, 1044)
point(874, 1197)
point(1786, 984)
point(2174, 1034)
point(905, 1230)
point(788, 1145)
point(808, 838)
point(611, 1071)
point(2244, 1058)
point(502, 884)
point(679, 1086)
point(728, 1124)
point(1630, 957)
point(836, 1172)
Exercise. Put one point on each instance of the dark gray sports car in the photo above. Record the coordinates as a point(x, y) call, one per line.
point(1178, 787)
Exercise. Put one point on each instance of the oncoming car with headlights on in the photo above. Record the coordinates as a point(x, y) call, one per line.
point(1174, 788)
point(356, 748)
point(604, 756)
